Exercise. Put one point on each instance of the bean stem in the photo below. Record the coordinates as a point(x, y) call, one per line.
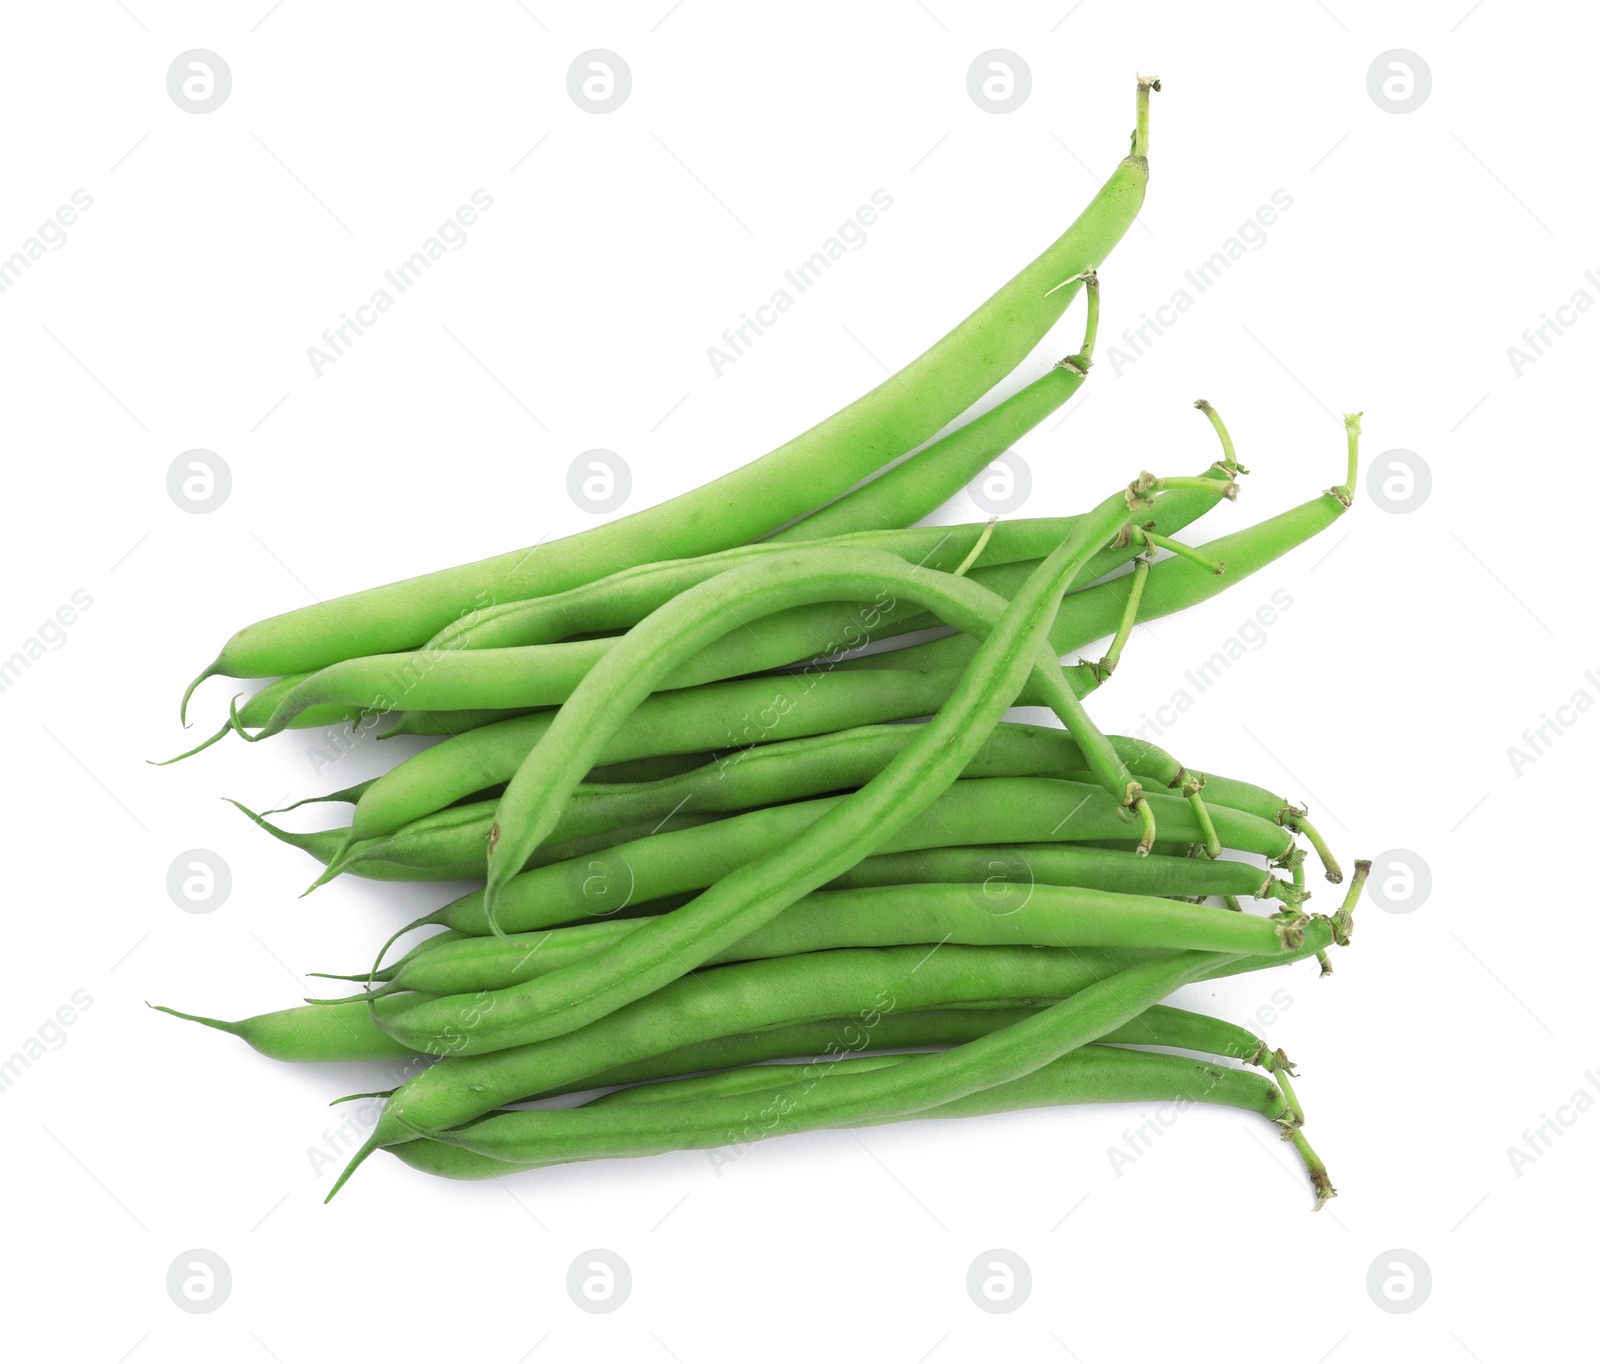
point(1130, 616)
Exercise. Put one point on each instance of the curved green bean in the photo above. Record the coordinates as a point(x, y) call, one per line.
point(619, 682)
point(941, 1077)
point(1092, 1074)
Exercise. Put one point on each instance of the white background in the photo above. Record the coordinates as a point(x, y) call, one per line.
point(1419, 647)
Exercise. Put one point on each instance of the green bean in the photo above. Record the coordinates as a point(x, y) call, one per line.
point(504, 990)
point(1010, 877)
point(348, 795)
point(316, 1032)
point(746, 1080)
point(941, 1077)
point(1158, 1026)
point(999, 871)
point(885, 916)
point(799, 476)
point(727, 999)
point(445, 724)
point(438, 851)
point(866, 982)
point(1092, 1074)
point(348, 1032)
point(823, 1037)
point(998, 876)
point(906, 492)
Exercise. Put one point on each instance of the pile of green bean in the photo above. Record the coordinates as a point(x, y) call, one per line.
point(748, 876)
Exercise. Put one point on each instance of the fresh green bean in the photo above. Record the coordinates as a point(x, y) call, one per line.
point(998, 877)
point(906, 492)
point(749, 995)
point(316, 1032)
point(1092, 1074)
point(349, 1032)
point(439, 850)
point(1158, 1026)
point(941, 1077)
point(1002, 873)
point(886, 916)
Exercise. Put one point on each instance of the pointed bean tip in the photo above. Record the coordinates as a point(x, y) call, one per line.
point(183, 705)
